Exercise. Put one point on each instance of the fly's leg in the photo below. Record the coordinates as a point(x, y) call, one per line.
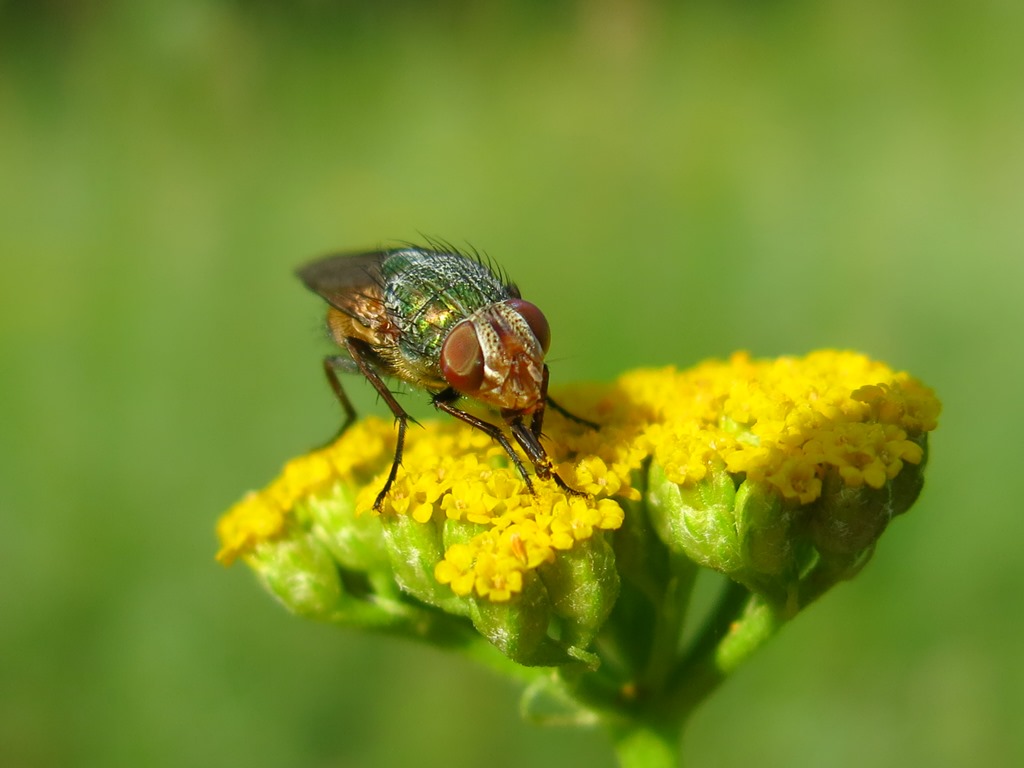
point(524, 435)
point(572, 416)
point(529, 439)
point(537, 422)
point(364, 365)
point(444, 401)
point(530, 443)
point(333, 364)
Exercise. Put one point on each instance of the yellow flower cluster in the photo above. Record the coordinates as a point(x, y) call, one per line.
point(263, 515)
point(449, 472)
point(453, 473)
point(785, 422)
point(492, 564)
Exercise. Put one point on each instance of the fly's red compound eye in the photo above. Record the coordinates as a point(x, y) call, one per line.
point(462, 359)
point(535, 319)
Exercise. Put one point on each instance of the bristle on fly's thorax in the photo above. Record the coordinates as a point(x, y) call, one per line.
point(426, 294)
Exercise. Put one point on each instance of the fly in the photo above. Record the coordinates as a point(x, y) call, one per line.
point(444, 322)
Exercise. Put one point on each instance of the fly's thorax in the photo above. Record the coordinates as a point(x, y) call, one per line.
point(496, 356)
point(425, 288)
point(426, 295)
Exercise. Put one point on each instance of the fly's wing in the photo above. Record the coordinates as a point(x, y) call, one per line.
point(347, 281)
point(353, 284)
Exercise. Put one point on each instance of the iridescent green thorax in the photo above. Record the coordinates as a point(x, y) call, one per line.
point(426, 294)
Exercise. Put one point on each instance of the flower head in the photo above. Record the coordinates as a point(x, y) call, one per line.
point(773, 472)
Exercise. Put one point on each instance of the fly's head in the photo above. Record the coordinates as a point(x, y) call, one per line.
point(496, 356)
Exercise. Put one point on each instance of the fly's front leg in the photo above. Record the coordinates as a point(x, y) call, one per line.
point(444, 401)
point(572, 416)
point(537, 422)
point(530, 443)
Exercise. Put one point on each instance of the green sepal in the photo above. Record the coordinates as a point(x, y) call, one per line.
point(845, 521)
point(356, 541)
point(907, 485)
point(770, 547)
point(697, 520)
point(582, 584)
point(301, 574)
point(519, 627)
point(764, 525)
point(413, 549)
point(299, 571)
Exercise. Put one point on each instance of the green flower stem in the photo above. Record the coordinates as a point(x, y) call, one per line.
point(759, 624)
point(669, 620)
point(731, 603)
point(641, 745)
point(739, 626)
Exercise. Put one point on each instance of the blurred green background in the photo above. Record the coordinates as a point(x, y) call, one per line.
point(667, 183)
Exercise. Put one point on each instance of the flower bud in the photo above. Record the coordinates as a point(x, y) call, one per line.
point(846, 522)
point(518, 627)
point(906, 486)
point(356, 541)
point(764, 526)
point(414, 549)
point(300, 572)
point(698, 519)
point(582, 585)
